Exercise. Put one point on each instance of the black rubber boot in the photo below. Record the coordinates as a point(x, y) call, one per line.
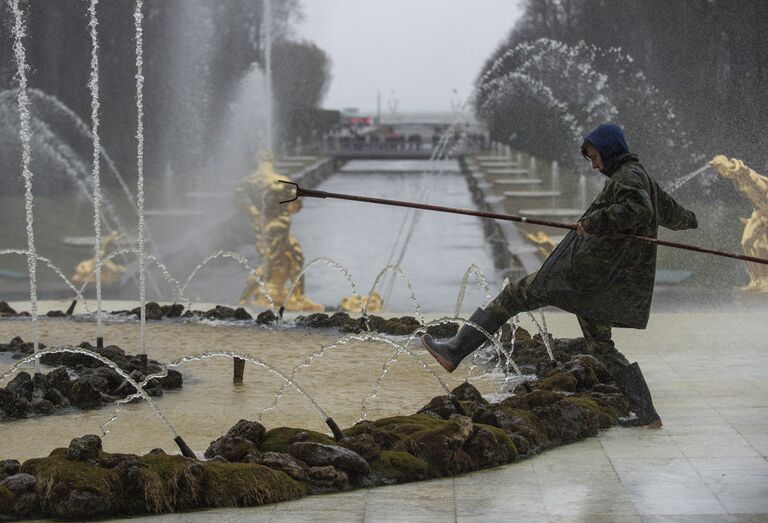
point(632, 383)
point(450, 353)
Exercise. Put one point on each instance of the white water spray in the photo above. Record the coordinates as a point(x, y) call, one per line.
point(138, 17)
point(482, 284)
point(19, 31)
point(676, 184)
point(267, 27)
point(93, 84)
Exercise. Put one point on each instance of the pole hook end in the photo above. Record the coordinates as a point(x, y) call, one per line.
point(298, 191)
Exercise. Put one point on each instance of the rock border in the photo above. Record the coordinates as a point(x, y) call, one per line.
point(251, 465)
point(399, 326)
point(78, 381)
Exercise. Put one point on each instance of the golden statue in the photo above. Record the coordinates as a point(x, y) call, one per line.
point(355, 303)
point(110, 271)
point(754, 240)
point(282, 260)
point(544, 243)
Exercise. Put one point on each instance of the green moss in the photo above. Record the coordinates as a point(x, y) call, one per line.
point(166, 465)
point(164, 483)
point(559, 380)
point(7, 499)
point(501, 437)
point(278, 440)
point(247, 484)
point(400, 466)
point(535, 432)
point(523, 414)
point(405, 426)
point(359, 428)
point(77, 474)
point(57, 476)
point(490, 446)
point(169, 483)
point(542, 398)
point(604, 415)
point(428, 438)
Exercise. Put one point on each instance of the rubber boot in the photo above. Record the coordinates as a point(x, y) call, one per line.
point(632, 383)
point(450, 353)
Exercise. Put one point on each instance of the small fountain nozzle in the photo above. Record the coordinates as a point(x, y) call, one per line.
point(338, 435)
point(185, 450)
point(71, 308)
point(99, 342)
point(239, 371)
point(280, 311)
point(143, 358)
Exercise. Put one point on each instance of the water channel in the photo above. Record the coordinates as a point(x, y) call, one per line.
point(365, 238)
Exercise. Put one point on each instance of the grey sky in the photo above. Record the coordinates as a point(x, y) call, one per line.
point(415, 51)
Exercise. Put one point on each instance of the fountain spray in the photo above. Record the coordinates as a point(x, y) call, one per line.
point(267, 28)
point(676, 184)
point(139, 388)
point(138, 17)
point(93, 84)
point(19, 31)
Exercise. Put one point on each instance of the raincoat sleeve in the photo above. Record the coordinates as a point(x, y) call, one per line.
point(629, 207)
point(674, 216)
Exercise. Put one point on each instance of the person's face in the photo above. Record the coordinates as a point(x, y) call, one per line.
point(594, 155)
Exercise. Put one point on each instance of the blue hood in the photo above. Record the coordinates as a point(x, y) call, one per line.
point(609, 139)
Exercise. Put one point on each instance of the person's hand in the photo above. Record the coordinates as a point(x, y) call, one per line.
point(581, 231)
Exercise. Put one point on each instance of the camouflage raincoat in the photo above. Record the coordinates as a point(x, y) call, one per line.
point(601, 277)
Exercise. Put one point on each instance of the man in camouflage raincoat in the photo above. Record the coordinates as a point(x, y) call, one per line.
point(604, 279)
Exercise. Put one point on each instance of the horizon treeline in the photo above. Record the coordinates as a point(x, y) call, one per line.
point(699, 69)
point(196, 56)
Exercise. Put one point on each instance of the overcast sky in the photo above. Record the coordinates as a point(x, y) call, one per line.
point(415, 51)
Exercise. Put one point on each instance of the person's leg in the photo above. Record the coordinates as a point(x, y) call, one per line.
point(629, 378)
point(512, 300)
point(600, 345)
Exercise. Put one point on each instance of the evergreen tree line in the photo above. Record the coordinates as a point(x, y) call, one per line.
point(196, 55)
point(687, 79)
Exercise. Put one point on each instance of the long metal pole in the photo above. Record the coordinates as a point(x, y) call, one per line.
point(311, 193)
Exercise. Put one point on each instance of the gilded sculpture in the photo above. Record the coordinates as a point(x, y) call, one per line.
point(282, 259)
point(754, 239)
point(544, 243)
point(111, 272)
point(372, 303)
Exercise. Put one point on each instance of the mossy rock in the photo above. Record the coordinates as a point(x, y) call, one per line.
point(278, 439)
point(179, 479)
point(7, 499)
point(399, 467)
point(403, 426)
point(522, 334)
point(438, 442)
point(542, 398)
point(564, 422)
point(490, 446)
point(558, 380)
point(531, 427)
point(246, 484)
point(73, 489)
point(154, 483)
point(595, 412)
